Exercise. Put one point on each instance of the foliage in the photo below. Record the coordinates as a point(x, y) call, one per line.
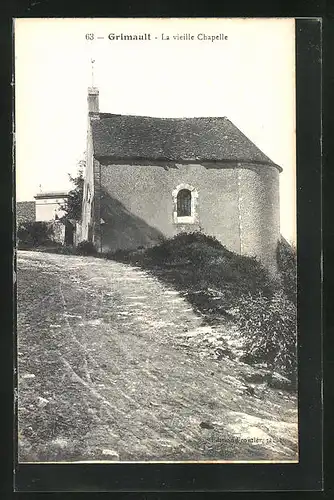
point(185, 247)
point(187, 238)
point(196, 263)
point(34, 234)
point(73, 205)
point(62, 249)
point(209, 264)
point(287, 266)
point(86, 248)
point(269, 329)
point(67, 250)
point(120, 255)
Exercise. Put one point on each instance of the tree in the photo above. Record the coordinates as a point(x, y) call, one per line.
point(73, 205)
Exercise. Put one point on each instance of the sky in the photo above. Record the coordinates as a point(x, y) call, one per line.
point(248, 77)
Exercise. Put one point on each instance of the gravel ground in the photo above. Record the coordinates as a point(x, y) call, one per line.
point(108, 370)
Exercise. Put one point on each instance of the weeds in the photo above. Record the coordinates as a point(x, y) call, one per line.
point(269, 329)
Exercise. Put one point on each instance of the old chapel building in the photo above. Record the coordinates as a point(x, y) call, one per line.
point(148, 178)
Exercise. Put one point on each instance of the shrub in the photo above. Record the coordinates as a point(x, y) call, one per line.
point(189, 246)
point(186, 238)
point(34, 234)
point(287, 267)
point(208, 264)
point(196, 262)
point(86, 248)
point(269, 329)
point(66, 250)
point(120, 255)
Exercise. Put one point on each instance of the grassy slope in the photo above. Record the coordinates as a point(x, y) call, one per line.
point(200, 265)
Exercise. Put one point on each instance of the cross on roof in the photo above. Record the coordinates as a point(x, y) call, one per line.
point(92, 62)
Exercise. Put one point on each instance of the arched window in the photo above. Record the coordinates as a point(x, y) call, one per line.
point(184, 203)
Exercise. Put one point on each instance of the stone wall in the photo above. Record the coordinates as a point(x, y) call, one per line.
point(238, 204)
point(58, 231)
point(137, 204)
point(25, 212)
point(259, 212)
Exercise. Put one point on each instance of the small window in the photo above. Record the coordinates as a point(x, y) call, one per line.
point(184, 203)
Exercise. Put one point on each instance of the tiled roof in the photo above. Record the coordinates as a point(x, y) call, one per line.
point(172, 139)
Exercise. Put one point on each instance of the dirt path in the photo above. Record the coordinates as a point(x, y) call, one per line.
point(106, 373)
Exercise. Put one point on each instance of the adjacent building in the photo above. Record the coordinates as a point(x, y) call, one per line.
point(48, 205)
point(47, 208)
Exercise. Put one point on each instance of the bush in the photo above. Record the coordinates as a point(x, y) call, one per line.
point(196, 262)
point(209, 264)
point(34, 234)
point(66, 250)
point(186, 238)
point(86, 248)
point(269, 329)
point(287, 267)
point(120, 255)
point(192, 247)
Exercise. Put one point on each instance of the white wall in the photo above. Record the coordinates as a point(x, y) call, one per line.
point(47, 209)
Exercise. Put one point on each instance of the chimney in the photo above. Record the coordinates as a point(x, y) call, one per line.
point(93, 100)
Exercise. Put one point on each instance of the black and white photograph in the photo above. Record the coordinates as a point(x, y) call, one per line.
point(155, 203)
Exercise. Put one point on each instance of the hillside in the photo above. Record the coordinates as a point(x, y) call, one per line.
point(113, 364)
point(238, 290)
